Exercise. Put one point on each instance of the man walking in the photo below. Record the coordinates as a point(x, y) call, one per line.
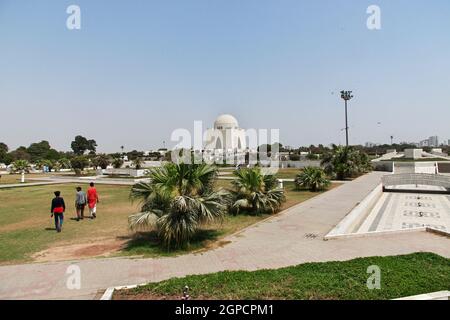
point(80, 203)
point(57, 210)
point(92, 198)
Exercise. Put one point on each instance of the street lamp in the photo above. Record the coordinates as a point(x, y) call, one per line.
point(346, 95)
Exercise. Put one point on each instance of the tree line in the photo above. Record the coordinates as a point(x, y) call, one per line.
point(83, 154)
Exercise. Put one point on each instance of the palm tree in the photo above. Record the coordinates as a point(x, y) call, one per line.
point(20, 166)
point(344, 162)
point(178, 200)
point(137, 163)
point(312, 178)
point(39, 164)
point(64, 163)
point(256, 192)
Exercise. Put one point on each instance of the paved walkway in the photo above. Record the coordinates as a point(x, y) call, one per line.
point(30, 184)
point(293, 237)
point(61, 180)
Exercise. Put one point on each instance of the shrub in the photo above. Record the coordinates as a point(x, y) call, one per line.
point(313, 179)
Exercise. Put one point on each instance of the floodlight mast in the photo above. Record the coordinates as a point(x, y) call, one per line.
point(346, 96)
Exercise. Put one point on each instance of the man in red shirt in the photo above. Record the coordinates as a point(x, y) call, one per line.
point(92, 198)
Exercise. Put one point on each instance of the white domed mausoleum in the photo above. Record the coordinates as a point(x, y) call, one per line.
point(226, 135)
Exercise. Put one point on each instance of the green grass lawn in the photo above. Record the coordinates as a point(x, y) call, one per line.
point(26, 227)
point(400, 276)
point(287, 173)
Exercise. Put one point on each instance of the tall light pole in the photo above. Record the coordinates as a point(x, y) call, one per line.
point(346, 95)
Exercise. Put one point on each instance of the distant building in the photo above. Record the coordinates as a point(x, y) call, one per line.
point(226, 141)
point(434, 141)
point(430, 142)
point(226, 135)
point(371, 144)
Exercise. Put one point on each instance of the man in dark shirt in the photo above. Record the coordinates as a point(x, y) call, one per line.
point(57, 210)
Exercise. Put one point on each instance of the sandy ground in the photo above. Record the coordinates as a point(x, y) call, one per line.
point(95, 248)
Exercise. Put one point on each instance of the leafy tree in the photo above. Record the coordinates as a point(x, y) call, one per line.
point(256, 192)
point(20, 153)
point(344, 162)
point(7, 159)
point(311, 156)
point(53, 155)
point(133, 155)
point(3, 152)
point(102, 161)
point(79, 163)
point(268, 147)
point(38, 150)
point(155, 155)
point(116, 155)
point(3, 148)
point(178, 199)
point(42, 151)
point(80, 145)
point(117, 163)
point(313, 179)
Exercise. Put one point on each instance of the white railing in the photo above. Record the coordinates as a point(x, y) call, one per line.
point(416, 179)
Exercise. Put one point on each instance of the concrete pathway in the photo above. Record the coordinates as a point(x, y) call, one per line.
point(30, 184)
point(62, 180)
point(293, 237)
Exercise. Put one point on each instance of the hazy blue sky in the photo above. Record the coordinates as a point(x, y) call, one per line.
point(137, 70)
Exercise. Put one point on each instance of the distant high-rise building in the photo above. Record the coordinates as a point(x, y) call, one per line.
point(430, 142)
point(433, 141)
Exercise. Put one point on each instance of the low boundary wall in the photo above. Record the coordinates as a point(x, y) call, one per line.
point(353, 220)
